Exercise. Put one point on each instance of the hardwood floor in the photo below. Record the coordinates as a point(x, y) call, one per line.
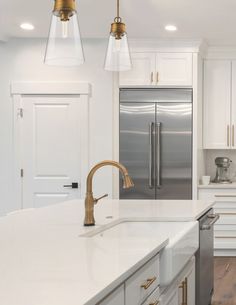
point(225, 281)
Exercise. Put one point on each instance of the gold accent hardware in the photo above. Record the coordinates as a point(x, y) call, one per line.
point(118, 28)
point(90, 201)
point(64, 9)
point(97, 199)
point(233, 196)
point(232, 135)
point(227, 135)
point(227, 213)
point(148, 283)
point(225, 237)
point(154, 303)
point(151, 77)
point(157, 77)
point(184, 287)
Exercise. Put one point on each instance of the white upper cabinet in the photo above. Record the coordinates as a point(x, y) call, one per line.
point(142, 72)
point(174, 69)
point(217, 104)
point(164, 69)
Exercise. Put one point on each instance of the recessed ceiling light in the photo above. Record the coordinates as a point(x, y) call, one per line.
point(27, 26)
point(170, 28)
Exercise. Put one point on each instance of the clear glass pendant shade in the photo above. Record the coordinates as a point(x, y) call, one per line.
point(64, 47)
point(118, 55)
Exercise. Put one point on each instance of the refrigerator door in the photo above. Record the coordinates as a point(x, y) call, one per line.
point(137, 147)
point(174, 148)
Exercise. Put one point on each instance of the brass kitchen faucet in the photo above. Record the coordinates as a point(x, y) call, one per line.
point(90, 201)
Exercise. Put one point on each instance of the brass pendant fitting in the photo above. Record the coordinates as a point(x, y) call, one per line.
point(64, 9)
point(118, 28)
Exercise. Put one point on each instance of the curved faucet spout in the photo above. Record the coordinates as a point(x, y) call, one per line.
point(90, 200)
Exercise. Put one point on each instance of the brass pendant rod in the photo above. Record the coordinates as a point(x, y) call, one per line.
point(118, 8)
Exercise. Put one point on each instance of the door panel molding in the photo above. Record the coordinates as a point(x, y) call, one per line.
point(74, 90)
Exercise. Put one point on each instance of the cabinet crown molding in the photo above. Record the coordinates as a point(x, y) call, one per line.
point(168, 45)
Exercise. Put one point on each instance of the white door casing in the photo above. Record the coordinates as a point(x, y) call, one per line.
point(50, 142)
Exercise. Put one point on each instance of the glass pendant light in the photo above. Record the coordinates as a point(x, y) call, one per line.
point(118, 55)
point(64, 47)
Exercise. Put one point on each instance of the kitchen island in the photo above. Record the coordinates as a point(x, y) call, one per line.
point(46, 261)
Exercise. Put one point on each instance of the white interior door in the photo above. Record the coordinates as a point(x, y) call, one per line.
point(50, 149)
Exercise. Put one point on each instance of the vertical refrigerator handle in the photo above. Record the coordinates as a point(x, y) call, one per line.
point(158, 152)
point(150, 175)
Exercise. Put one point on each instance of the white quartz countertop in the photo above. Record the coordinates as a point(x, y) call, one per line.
point(218, 186)
point(44, 261)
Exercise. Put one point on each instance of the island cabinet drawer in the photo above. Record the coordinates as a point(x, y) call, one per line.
point(142, 283)
point(225, 236)
point(227, 216)
point(117, 297)
point(226, 203)
point(153, 299)
point(226, 242)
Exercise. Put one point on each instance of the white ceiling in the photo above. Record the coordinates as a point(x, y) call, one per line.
point(211, 20)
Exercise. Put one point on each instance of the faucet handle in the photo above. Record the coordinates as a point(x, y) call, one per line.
point(97, 199)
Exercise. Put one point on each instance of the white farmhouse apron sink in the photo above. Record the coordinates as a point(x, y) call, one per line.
point(183, 241)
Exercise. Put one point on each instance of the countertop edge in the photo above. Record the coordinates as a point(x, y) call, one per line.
point(120, 280)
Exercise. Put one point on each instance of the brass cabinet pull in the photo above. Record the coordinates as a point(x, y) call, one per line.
point(148, 283)
point(225, 237)
point(157, 77)
point(227, 213)
point(228, 135)
point(154, 303)
point(233, 135)
point(226, 195)
point(151, 77)
point(184, 287)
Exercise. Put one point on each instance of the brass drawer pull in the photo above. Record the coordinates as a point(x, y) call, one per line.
point(184, 287)
point(148, 283)
point(227, 214)
point(229, 196)
point(157, 77)
point(233, 135)
point(154, 303)
point(222, 237)
point(227, 135)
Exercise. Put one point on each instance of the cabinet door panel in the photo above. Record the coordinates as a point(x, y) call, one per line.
point(174, 69)
point(135, 292)
point(233, 108)
point(217, 101)
point(187, 287)
point(170, 298)
point(142, 72)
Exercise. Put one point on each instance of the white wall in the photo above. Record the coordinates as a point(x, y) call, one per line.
point(22, 60)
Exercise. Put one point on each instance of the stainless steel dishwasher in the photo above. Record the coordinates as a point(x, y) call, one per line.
point(205, 259)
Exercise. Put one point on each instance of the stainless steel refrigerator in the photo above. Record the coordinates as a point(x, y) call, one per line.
point(156, 142)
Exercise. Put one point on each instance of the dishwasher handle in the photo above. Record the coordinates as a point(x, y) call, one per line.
point(208, 226)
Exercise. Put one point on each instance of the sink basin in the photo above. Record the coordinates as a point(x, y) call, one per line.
point(183, 241)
